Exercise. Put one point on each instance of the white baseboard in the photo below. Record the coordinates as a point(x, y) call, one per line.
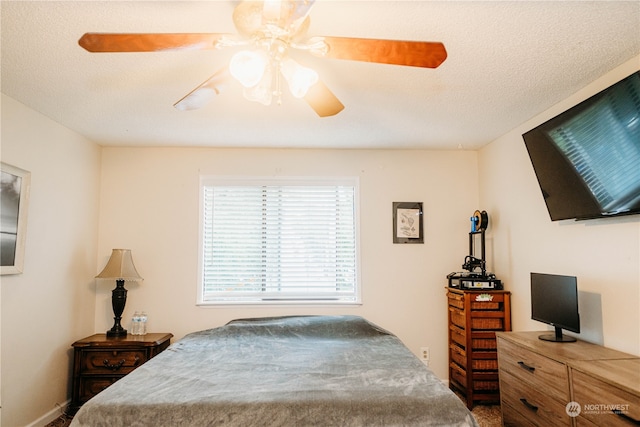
point(50, 416)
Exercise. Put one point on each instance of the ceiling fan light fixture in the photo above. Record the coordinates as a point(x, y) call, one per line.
point(269, 30)
point(263, 91)
point(298, 77)
point(248, 67)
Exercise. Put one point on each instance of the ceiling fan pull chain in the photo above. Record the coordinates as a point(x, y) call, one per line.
point(278, 83)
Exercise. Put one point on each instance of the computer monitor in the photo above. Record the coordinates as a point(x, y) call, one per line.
point(554, 301)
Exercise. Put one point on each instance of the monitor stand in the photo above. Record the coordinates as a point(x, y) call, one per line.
point(557, 337)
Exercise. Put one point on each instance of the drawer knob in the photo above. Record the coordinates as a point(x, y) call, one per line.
point(526, 403)
point(525, 366)
point(114, 366)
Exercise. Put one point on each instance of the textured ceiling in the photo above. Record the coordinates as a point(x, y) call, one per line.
point(508, 61)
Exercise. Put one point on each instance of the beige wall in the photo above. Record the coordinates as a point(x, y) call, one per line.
point(52, 303)
point(604, 254)
point(149, 204)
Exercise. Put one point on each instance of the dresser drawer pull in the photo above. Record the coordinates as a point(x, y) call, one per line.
point(526, 403)
point(115, 366)
point(525, 366)
point(626, 417)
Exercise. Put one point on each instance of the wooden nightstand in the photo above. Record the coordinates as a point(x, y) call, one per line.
point(99, 361)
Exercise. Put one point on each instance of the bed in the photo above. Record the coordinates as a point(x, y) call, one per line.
point(280, 371)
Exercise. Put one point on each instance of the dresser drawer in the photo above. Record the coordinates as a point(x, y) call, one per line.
point(513, 418)
point(481, 321)
point(536, 371)
point(455, 299)
point(598, 400)
point(111, 361)
point(480, 360)
point(530, 403)
point(457, 317)
point(478, 301)
point(458, 335)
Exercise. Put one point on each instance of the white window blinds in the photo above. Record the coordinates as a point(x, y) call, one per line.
point(279, 241)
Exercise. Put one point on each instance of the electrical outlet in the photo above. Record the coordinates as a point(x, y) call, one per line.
point(424, 355)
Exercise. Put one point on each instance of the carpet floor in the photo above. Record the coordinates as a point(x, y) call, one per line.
point(488, 415)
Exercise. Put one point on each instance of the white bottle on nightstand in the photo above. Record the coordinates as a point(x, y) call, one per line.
point(135, 324)
point(142, 328)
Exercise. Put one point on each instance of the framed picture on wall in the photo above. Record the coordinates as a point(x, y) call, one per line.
point(407, 222)
point(14, 199)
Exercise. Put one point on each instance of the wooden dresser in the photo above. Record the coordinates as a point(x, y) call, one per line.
point(99, 361)
point(474, 318)
point(566, 384)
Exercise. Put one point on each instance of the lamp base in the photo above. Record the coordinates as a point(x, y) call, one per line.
point(118, 301)
point(116, 332)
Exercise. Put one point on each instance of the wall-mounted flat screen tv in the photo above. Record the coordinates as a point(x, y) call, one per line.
point(587, 159)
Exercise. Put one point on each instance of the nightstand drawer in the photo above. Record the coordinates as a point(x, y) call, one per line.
point(112, 361)
point(90, 386)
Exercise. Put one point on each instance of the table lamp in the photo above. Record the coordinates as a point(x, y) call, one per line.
point(120, 267)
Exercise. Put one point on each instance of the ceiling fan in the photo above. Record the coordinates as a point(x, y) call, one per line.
point(267, 31)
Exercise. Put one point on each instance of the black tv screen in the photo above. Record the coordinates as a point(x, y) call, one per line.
point(554, 301)
point(587, 159)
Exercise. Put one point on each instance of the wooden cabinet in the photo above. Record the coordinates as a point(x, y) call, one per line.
point(99, 361)
point(474, 318)
point(545, 383)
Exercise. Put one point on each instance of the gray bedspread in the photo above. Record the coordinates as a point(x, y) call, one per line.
point(286, 371)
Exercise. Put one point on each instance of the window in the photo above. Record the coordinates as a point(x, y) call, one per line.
point(279, 241)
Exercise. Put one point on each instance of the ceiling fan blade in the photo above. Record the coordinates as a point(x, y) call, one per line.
point(396, 52)
point(323, 101)
point(139, 42)
point(201, 95)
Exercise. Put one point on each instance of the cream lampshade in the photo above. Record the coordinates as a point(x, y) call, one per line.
point(119, 268)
